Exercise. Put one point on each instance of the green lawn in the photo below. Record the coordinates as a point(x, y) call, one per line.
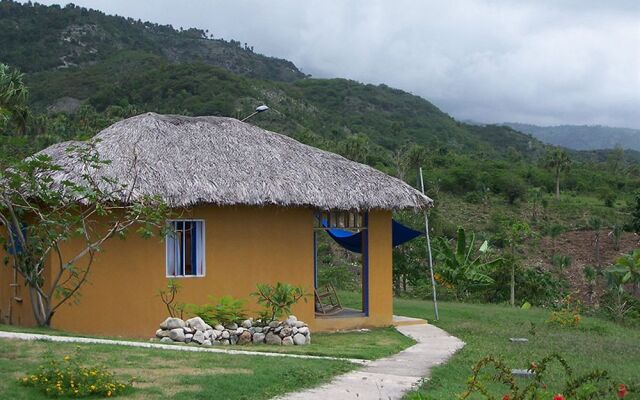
point(367, 345)
point(486, 329)
point(170, 374)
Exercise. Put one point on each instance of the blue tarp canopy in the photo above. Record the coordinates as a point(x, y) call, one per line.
point(352, 241)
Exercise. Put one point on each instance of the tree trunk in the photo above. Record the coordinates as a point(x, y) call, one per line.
point(41, 309)
point(513, 285)
point(557, 184)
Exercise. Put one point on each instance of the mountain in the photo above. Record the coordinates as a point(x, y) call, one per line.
point(86, 70)
point(583, 137)
point(37, 38)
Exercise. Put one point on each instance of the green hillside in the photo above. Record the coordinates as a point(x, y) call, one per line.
point(117, 67)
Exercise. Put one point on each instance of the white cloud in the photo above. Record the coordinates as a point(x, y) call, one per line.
point(575, 62)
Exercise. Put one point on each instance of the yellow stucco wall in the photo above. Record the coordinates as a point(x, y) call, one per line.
point(244, 246)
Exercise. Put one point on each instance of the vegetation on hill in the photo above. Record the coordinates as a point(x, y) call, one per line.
point(488, 179)
point(38, 38)
point(583, 137)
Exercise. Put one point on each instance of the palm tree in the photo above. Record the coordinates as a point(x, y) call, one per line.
point(557, 160)
point(13, 98)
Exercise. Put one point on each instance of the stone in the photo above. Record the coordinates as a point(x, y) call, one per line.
point(258, 337)
point(291, 321)
point(177, 334)
point(218, 327)
point(197, 323)
point(172, 323)
point(224, 342)
point(294, 330)
point(273, 324)
point(166, 339)
point(233, 339)
point(304, 330)
point(257, 329)
point(518, 340)
point(299, 339)
point(232, 327)
point(244, 338)
point(288, 341)
point(188, 337)
point(300, 324)
point(186, 329)
point(207, 334)
point(198, 337)
point(239, 331)
point(225, 334)
point(285, 332)
point(206, 343)
point(247, 323)
point(523, 373)
point(216, 333)
point(309, 338)
point(161, 333)
point(272, 338)
point(278, 329)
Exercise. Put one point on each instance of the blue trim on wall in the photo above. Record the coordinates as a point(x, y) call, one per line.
point(365, 266)
point(315, 259)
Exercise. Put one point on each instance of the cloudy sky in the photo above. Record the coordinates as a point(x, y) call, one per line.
point(543, 62)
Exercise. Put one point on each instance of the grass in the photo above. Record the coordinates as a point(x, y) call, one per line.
point(486, 329)
point(367, 345)
point(168, 374)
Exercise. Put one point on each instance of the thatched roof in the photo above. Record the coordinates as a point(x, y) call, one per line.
point(196, 160)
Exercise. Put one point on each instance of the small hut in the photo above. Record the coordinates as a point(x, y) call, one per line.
point(248, 205)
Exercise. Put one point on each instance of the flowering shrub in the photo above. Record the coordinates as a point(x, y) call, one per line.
point(67, 378)
point(568, 315)
point(594, 385)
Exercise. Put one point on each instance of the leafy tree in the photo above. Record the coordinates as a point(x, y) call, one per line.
point(13, 98)
point(516, 234)
point(38, 215)
point(635, 213)
point(595, 224)
point(356, 148)
point(463, 267)
point(557, 160)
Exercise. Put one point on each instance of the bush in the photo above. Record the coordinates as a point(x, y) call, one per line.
point(226, 311)
point(568, 315)
point(67, 378)
point(279, 299)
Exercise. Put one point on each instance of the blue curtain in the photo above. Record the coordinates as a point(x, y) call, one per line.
point(352, 241)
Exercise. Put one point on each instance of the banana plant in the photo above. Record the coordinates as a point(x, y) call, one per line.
point(461, 267)
point(626, 270)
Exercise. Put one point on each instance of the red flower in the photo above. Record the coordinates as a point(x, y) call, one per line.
point(506, 397)
point(558, 397)
point(622, 390)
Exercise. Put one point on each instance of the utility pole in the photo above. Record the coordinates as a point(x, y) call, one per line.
point(426, 230)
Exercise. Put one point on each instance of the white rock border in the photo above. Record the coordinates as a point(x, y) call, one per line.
point(289, 332)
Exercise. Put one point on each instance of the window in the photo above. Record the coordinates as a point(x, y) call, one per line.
point(185, 248)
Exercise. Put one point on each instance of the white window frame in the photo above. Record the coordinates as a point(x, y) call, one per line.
point(204, 251)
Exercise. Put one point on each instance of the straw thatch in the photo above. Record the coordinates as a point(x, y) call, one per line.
point(214, 160)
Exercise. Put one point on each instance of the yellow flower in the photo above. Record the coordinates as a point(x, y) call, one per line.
point(93, 388)
point(109, 393)
point(67, 358)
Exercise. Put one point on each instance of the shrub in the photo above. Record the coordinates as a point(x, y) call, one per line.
point(168, 297)
point(67, 378)
point(596, 384)
point(227, 310)
point(568, 315)
point(279, 299)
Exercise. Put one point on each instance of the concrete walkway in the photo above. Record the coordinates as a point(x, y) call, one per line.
point(174, 347)
point(391, 377)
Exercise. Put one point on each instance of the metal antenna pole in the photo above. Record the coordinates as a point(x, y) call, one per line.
point(426, 228)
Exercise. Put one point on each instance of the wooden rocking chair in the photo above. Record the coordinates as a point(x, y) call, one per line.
point(327, 300)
